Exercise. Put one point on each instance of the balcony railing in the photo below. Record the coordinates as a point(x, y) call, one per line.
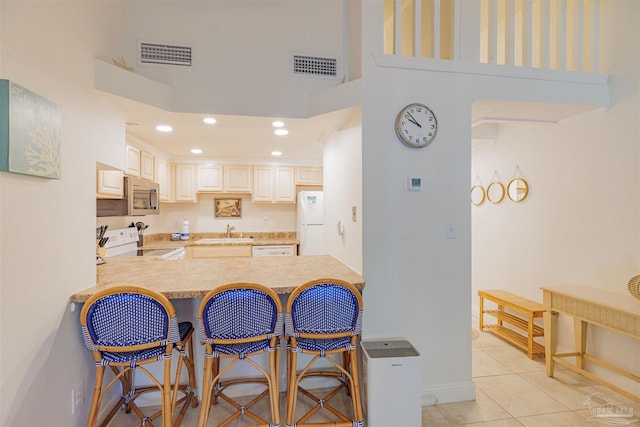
point(546, 34)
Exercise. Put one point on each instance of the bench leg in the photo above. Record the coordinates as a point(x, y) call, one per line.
point(481, 317)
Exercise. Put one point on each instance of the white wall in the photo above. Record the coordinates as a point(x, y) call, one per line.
point(418, 282)
point(343, 191)
point(242, 52)
point(579, 224)
point(47, 244)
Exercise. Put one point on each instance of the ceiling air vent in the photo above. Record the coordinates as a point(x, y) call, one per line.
point(315, 66)
point(155, 53)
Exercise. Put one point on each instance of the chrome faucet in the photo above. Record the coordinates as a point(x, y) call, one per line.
point(230, 228)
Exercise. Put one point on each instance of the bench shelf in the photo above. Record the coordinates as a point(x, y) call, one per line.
point(520, 316)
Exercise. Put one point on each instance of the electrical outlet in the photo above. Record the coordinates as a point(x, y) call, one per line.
point(77, 400)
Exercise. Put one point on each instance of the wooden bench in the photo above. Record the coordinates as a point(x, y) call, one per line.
point(520, 315)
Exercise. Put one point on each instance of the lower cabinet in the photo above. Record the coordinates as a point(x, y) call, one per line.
point(220, 251)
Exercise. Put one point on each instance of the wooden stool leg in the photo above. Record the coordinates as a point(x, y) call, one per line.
point(95, 400)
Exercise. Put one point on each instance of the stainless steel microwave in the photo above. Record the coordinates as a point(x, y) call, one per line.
point(140, 198)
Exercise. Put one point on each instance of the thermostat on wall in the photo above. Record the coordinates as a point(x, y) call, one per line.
point(414, 183)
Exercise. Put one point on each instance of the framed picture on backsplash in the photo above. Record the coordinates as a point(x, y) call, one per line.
point(228, 208)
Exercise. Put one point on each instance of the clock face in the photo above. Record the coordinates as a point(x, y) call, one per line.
point(416, 125)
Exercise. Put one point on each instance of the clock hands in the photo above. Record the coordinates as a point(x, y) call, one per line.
point(413, 120)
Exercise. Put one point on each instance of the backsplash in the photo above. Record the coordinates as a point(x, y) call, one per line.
point(256, 218)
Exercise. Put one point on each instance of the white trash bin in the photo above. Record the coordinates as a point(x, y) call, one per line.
point(391, 384)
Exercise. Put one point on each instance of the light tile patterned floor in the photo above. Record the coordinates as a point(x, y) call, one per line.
point(511, 390)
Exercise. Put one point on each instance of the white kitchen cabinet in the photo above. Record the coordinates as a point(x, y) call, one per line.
point(132, 161)
point(273, 184)
point(185, 185)
point(308, 176)
point(238, 179)
point(263, 184)
point(147, 161)
point(220, 251)
point(110, 184)
point(210, 178)
point(163, 178)
point(285, 185)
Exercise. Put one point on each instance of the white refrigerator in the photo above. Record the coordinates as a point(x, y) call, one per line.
point(310, 223)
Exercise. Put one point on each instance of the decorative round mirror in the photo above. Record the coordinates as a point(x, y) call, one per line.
point(517, 189)
point(477, 195)
point(495, 192)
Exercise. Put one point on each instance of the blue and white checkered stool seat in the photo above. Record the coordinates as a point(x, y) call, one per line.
point(237, 322)
point(312, 344)
point(323, 318)
point(185, 328)
point(127, 327)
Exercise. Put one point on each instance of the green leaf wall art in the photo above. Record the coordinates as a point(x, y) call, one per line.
point(30, 141)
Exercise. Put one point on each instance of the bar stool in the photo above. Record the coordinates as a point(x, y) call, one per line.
point(323, 318)
point(238, 321)
point(126, 327)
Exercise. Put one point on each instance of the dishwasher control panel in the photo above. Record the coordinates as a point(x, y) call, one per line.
point(274, 250)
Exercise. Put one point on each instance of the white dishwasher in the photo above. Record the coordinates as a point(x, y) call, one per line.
point(274, 250)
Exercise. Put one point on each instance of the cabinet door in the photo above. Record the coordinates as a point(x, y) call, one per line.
point(110, 184)
point(210, 178)
point(146, 165)
point(308, 176)
point(132, 161)
point(238, 179)
point(263, 184)
point(285, 190)
point(185, 183)
point(163, 179)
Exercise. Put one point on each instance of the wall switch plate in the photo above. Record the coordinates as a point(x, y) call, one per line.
point(450, 230)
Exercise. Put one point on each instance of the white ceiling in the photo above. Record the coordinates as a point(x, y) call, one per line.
point(233, 138)
point(250, 138)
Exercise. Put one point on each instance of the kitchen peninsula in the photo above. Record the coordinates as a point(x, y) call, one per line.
point(193, 278)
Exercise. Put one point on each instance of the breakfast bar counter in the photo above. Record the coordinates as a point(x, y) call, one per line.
point(193, 278)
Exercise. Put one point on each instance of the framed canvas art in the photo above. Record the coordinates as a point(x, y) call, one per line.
point(30, 140)
point(228, 208)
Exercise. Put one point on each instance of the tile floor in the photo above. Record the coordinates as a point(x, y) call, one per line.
point(511, 390)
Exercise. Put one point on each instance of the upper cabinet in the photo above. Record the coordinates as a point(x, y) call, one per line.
point(210, 178)
point(147, 161)
point(163, 179)
point(238, 179)
point(185, 183)
point(110, 184)
point(139, 163)
point(132, 161)
point(273, 184)
point(308, 176)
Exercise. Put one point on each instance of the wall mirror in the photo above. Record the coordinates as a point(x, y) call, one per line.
point(495, 192)
point(477, 195)
point(517, 189)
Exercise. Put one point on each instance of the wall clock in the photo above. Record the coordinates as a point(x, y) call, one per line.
point(416, 125)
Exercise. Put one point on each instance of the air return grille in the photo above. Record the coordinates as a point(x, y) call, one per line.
point(154, 53)
point(315, 66)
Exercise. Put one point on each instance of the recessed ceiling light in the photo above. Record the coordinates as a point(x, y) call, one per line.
point(196, 151)
point(164, 128)
point(209, 120)
point(276, 153)
point(277, 124)
point(281, 132)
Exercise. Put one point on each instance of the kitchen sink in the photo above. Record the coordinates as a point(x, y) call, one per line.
point(223, 240)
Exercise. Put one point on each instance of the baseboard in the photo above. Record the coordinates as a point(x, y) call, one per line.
point(448, 393)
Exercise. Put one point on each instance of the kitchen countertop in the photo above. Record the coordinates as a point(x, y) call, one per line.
point(261, 239)
point(193, 278)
